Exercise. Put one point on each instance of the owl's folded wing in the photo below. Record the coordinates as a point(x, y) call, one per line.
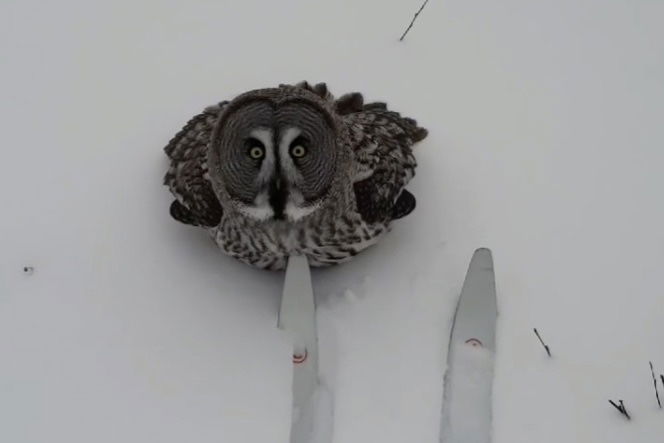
point(382, 143)
point(196, 202)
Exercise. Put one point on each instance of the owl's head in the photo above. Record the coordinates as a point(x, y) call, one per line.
point(274, 154)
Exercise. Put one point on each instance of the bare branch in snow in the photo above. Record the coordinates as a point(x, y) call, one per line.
point(546, 348)
point(654, 382)
point(413, 20)
point(621, 408)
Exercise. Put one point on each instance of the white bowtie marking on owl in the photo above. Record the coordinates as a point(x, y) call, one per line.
point(291, 170)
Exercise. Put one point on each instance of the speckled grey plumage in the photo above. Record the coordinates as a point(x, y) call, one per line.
point(360, 194)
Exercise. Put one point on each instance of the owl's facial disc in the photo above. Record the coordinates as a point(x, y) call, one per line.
point(277, 161)
point(279, 180)
point(259, 147)
point(293, 150)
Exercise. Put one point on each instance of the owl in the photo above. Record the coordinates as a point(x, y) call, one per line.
point(292, 170)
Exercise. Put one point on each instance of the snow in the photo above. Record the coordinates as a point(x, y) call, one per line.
point(545, 145)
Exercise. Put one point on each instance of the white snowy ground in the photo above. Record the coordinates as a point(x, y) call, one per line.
point(545, 144)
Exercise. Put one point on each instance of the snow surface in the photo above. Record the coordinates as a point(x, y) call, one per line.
point(545, 145)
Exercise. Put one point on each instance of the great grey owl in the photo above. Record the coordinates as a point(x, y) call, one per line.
point(292, 170)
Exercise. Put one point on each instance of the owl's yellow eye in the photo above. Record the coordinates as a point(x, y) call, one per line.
point(256, 152)
point(298, 151)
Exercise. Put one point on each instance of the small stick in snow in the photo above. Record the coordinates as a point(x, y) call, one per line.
point(548, 351)
point(624, 409)
point(413, 21)
point(654, 382)
point(621, 408)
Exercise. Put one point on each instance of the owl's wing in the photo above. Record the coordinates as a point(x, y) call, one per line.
point(196, 202)
point(382, 143)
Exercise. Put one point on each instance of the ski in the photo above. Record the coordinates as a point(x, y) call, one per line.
point(297, 316)
point(466, 414)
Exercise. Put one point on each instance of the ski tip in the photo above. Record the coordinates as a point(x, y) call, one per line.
point(483, 250)
point(482, 256)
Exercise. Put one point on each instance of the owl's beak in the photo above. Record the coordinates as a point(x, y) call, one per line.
point(278, 192)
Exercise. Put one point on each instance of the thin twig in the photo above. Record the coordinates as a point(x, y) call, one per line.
point(621, 408)
point(413, 20)
point(624, 409)
point(654, 382)
point(548, 351)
